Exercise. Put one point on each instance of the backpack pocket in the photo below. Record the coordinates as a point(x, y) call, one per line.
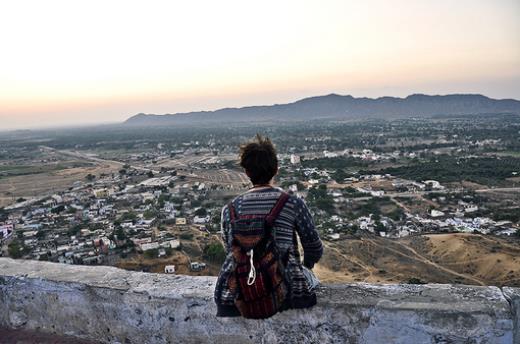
point(266, 295)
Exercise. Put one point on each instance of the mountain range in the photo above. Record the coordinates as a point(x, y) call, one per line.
point(341, 107)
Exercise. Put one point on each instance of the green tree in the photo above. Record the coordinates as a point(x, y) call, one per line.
point(201, 212)
point(74, 230)
point(150, 214)
point(15, 249)
point(150, 254)
point(215, 252)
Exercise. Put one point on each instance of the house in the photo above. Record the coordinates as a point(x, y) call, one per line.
point(435, 185)
point(6, 230)
point(196, 266)
point(100, 193)
point(295, 159)
point(169, 269)
point(470, 208)
point(149, 246)
point(293, 188)
point(377, 193)
point(171, 243)
point(201, 219)
point(328, 154)
point(29, 233)
point(57, 199)
point(436, 213)
point(333, 236)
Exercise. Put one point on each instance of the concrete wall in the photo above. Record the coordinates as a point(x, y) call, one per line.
point(117, 306)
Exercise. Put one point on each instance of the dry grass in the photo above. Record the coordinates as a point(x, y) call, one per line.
point(443, 258)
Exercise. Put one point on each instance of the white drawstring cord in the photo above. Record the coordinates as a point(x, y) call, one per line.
point(252, 273)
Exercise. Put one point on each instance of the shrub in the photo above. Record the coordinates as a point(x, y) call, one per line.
point(215, 252)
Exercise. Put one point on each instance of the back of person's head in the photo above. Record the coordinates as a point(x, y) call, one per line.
point(258, 158)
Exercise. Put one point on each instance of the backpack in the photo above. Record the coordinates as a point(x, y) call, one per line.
point(258, 274)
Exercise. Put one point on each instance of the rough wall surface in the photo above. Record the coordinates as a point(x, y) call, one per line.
point(111, 305)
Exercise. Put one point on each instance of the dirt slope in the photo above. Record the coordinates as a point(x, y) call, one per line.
point(443, 258)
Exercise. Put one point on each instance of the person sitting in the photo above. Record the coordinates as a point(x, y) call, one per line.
point(263, 272)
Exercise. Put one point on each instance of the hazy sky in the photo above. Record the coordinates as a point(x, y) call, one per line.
point(72, 62)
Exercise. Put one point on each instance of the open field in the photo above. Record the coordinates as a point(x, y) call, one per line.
point(39, 184)
point(439, 258)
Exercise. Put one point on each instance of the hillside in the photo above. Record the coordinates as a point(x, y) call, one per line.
point(439, 258)
point(340, 107)
point(456, 258)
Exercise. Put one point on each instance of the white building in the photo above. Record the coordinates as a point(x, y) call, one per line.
point(149, 246)
point(295, 159)
point(6, 230)
point(169, 269)
point(201, 219)
point(434, 184)
point(171, 243)
point(436, 213)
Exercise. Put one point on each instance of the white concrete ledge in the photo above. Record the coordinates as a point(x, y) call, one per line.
point(116, 306)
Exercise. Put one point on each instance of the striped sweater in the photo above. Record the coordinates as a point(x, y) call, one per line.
point(294, 218)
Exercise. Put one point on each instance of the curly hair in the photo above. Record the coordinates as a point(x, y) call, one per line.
point(258, 158)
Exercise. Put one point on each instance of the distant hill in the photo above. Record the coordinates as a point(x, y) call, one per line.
point(334, 106)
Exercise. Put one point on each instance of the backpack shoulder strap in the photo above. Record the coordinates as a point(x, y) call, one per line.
point(232, 213)
point(273, 214)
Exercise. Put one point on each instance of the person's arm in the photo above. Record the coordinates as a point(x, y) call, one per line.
point(309, 237)
point(224, 226)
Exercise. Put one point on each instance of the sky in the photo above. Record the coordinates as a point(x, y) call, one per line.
point(83, 62)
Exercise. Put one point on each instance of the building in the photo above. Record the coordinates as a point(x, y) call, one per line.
point(149, 246)
point(201, 219)
point(295, 159)
point(436, 213)
point(100, 193)
point(196, 266)
point(169, 269)
point(171, 243)
point(435, 185)
point(6, 230)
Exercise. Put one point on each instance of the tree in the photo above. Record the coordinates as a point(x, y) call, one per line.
point(74, 230)
point(120, 234)
point(150, 214)
point(215, 252)
point(150, 174)
point(90, 177)
point(15, 249)
point(201, 212)
point(58, 209)
point(150, 254)
point(380, 227)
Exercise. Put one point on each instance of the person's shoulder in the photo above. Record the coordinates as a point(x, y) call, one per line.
point(292, 198)
point(232, 201)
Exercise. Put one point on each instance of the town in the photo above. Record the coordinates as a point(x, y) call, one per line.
point(156, 206)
